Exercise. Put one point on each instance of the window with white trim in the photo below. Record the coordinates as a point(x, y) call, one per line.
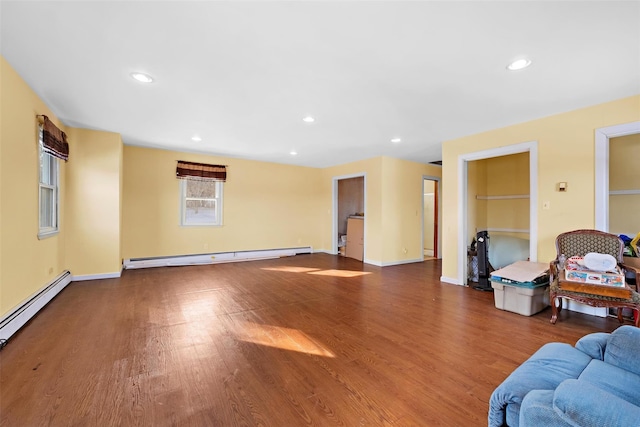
point(201, 202)
point(48, 194)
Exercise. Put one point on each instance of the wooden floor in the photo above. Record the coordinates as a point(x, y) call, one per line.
point(311, 340)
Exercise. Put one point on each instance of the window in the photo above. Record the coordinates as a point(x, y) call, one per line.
point(48, 192)
point(201, 202)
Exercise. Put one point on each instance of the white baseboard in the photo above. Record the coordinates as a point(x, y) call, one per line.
point(404, 261)
point(451, 280)
point(428, 252)
point(95, 276)
point(322, 251)
point(213, 258)
point(391, 263)
point(21, 314)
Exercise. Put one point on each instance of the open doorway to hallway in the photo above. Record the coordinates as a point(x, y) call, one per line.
point(430, 219)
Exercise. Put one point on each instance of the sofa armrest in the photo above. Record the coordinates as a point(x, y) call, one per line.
point(544, 370)
point(581, 403)
point(537, 410)
point(594, 344)
point(623, 348)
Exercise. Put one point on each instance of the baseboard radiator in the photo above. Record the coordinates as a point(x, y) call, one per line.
point(213, 258)
point(13, 321)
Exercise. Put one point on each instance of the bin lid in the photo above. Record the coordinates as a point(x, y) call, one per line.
point(522, 271)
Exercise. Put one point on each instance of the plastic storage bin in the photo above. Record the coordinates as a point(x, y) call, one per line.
point(525, 298)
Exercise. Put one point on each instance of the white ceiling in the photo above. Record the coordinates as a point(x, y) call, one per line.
point(242, 75)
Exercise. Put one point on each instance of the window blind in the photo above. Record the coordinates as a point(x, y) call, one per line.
point(54, 140)
point(201, 171)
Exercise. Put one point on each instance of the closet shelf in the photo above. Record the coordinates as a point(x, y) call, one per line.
point(508, 230)
point(623, 192)
point(505, 197)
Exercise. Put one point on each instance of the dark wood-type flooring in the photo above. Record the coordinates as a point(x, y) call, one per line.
point(311, 340)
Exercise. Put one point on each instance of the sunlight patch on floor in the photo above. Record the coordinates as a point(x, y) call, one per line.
point(340, 273)
point(282, 338)
point(319, 272)
point(196, 308)
point(289, 269)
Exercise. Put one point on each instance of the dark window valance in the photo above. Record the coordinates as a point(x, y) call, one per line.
point(54, 141)
point(201, 171)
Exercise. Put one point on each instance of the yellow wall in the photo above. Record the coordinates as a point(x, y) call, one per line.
point(476, 209)
point(566, 150)
point(266, 206)
point(498, 176)
point(624, 167)
point(508, 176)
point(26, 263)
point(93, 202)
point(402, 202)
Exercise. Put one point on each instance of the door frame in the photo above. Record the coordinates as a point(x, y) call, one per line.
point(438, 205)
point(334, 226)
point(603, 135)
point(532, 148)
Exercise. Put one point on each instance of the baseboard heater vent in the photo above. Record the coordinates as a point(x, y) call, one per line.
point(13, 321)
point(213, 258)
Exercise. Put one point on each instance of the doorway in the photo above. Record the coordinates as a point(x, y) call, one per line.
point(624, 189)
point(463, 202)
point(349, 201)
point(602, 169)
point(430, 218)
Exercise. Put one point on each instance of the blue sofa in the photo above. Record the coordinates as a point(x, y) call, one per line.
point(595, 383)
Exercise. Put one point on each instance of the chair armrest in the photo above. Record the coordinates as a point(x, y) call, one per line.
point(635, 270)
point(581, 403)
point(553, 270)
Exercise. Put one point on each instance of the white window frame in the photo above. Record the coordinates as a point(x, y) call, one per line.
point(217, 202)
point(54, 209)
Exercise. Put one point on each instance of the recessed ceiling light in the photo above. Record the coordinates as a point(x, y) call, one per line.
point(141, 77)
point(519, 64)
point(396, 140)
point(293, 152)
point(196, 138)
point(308, 119)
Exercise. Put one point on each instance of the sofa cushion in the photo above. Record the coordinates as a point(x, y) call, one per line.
point(623, 349)
point(548, 367)
point(537, 410)
point(583, 404)
point(614, 380)
point(594, 344)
